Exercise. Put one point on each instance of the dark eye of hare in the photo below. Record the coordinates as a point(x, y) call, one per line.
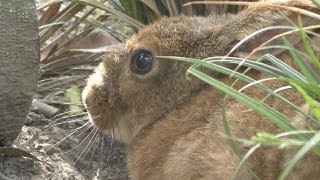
point(141, 61)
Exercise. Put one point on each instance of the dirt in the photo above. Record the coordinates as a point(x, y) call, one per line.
point(67, 160)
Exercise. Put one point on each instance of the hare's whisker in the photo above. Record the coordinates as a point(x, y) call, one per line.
point(97, 142)
point(68, 113)
point(90, 144)
point(69, 134)
point(93, 132)
point(84, 130)
point(110, 149)
point(101, 152)
point(119, 130)
point(86, 108)
point(61, 114)
point(64, 116)
point(81, 142)
point(68, 121)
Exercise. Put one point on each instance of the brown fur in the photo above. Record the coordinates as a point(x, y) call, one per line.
point(172, 124)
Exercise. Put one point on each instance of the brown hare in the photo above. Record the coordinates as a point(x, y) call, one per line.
point(171, 124)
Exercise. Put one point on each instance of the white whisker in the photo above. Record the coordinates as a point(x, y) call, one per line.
point(69, 134)
point(86, 149)
point(96, 146)
point(110, 149)
point(82, 141)
point(70, 121)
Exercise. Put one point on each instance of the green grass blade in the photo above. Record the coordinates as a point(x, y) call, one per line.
point(227, 129)
point(119, 14)
point(314, 107)
point(296, 132)
point(233, 145)
point(317, 3)
point(244, 159)
point(134, 9)
point(226, 71)
point(116, 5)
point(307, 147)
point(307, 44)
point(246, 100)
point(298, 109)
point(314, 90)
point(285, 67)
point(262, 67)
point(118, 35)
point(305, 68)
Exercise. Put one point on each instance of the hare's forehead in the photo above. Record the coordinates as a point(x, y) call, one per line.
point(140, 42)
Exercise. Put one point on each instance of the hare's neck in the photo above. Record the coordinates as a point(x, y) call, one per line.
point(155, 141)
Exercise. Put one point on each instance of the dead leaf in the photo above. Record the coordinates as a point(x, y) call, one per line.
point(49, 13)
point(10, 151)
point(45, 4)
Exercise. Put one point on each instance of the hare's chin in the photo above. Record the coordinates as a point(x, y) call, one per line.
point(93, 123)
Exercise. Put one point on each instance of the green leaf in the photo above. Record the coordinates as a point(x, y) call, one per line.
point(74, 95)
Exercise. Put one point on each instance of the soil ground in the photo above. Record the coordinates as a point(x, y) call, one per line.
point(103, 161)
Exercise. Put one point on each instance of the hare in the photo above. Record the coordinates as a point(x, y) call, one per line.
point(171, 124)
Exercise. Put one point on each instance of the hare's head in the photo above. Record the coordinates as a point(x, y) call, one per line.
point(133, 87)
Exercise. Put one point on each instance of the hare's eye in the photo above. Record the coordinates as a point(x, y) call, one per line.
point(141, 61)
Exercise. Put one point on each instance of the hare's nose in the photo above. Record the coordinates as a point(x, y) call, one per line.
point(97, 79)
point(95, 90)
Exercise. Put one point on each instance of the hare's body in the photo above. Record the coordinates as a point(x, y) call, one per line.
point(172, 124)
point(189, 143)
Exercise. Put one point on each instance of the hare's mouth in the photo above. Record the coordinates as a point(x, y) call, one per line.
point(102, 119)
point(120, 127)
point(116, 122)
point(97, 122)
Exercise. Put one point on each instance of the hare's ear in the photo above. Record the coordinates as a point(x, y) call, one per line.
point(265, 14)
